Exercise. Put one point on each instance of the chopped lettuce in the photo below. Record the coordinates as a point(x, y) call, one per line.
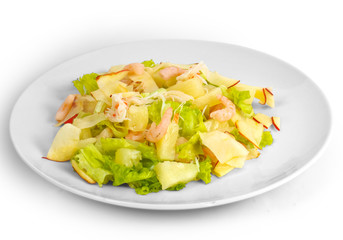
point(86, 84)
point(109, 146)
point(267, 139)
point(177, 187)
point(146, 186)
point(190, 149)
point(154, 111)
point(149, 63)
point(238, 98)
point(92, 162)
point(190, 121)
point(205, 168)
point(117, 130)
point(148, 152)
point(123, 174)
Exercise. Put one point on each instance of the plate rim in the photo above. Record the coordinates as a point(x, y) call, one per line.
point(178, 206)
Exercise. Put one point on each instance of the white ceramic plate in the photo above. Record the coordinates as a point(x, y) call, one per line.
point(303, 135)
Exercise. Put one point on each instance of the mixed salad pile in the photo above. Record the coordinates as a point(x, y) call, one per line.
point(157, 127)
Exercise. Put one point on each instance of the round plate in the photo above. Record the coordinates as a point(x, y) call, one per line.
point(303, 135)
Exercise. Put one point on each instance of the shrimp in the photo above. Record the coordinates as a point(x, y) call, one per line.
point(226, 111)
point(156, 133)
point(191, 72)
point(171, 72)
point(136, 136)
point(65, 107)
point(135, 68)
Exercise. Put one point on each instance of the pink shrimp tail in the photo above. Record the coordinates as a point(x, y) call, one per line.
point(226, 113)
point(156, 133)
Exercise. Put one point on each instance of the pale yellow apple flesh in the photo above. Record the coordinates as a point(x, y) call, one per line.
point(223, 146)
point(276, 122)
point(269, 97)
point(110, 83)
point(219, 80)
point(99, 95)
point(222, 169)
point(265, 120)
point(65, 143)
point(251, 130)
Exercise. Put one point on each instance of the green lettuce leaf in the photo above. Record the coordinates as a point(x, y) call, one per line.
point(177, 187)
point(267, 139)
point(238, 98)
point(123, 174)
point(154, 111)
point(205, 168)
point(118, 130)
point(92, 162)
point(191, 149)
point(148, 152)
point(191, 121)
point(146, 186)
point(86, 84)
point(109, 146)
point(149, 63)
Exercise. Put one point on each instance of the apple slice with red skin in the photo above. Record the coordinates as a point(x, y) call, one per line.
point(265, 120)
point(209, 153)
point(276, 122)
point(251, 130)
point(269, 96)
point(218, 169)
point(81, 173)
point(234, 84)
point(109, 83)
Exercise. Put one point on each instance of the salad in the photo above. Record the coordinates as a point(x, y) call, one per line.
point(159, 126)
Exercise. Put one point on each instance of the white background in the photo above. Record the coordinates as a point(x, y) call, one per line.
point(37, 35)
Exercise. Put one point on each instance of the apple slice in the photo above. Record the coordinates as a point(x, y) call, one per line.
point(222, 169)
point(216, 79)
point(259, 94)
point(110, 83)
point(99, 95)
point(265, 120)
point(237, 162)
point(223, 146)
point(146, 81)
point(234, 84)
point(252, 91)
point(251, 130)
point(81, 173)
point(276, 122)
point(209, 153)
point(65, 143)
point(269, 97)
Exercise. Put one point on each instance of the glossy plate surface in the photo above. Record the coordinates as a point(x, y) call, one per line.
point(303, 136)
